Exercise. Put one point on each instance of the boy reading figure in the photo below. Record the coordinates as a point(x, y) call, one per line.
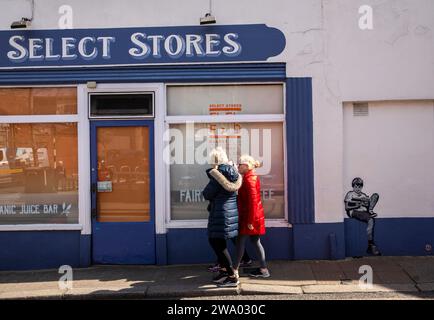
point(360, 206)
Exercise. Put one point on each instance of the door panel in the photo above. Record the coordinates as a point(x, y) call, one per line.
point(122, 192)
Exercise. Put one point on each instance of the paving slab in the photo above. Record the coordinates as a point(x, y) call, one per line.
point(321, 265)
point(189, 291)
point(277, 282)
point(420, 269)
point(376, 263)
point(324, 277)
point(426, 287)
point(106, 293)
point(31, 294)
point(290, 273)
point(391, 274)
point(352, 275)
point(348, 288)
point(247, 288)
point(387, 277)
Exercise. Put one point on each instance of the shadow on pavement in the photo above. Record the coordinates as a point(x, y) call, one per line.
point(412, 275)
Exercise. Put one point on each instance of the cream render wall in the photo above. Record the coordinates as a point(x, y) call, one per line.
point(392, 149)
point(394, 61)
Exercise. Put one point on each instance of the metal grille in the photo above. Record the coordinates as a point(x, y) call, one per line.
point(360, 109)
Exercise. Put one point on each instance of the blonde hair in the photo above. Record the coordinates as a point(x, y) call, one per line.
point(251, 162)
point(218, 156)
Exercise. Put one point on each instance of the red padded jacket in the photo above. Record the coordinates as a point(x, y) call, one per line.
point(250, 209)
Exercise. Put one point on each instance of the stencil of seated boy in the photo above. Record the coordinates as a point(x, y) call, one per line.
point(360, 206)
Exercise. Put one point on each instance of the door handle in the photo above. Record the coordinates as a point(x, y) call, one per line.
point(93, 213)
point(93, 189)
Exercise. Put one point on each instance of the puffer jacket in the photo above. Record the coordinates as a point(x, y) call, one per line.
point(250, 207)
point(221, 193)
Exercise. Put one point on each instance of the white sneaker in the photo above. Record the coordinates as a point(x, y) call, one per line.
point(220, 277)
point(229, 282)
point(236, 274)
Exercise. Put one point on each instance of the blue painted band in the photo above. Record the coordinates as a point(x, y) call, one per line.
point(299, 137)
point(172, 73)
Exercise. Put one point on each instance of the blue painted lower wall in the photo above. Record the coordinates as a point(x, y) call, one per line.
point(85, 250)
point(191, 245)
point(161, 249)
point(393, 236)
point(24, 250)
point(319, 241)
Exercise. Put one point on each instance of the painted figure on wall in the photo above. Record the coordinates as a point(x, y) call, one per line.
point(360, 206)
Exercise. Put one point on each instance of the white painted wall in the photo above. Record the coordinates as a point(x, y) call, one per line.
point(394, 61)
point(392, 149)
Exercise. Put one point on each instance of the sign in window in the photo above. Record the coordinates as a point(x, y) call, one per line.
point(189, 148)
point(38, 173)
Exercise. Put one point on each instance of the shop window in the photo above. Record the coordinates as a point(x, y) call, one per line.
point(38, 173)
point(188, 179)
point(225, 99)
point(193, 135)
point(38, 101)
point(38, 160)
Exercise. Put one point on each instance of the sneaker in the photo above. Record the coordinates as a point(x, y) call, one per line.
point(372, 249)
point(258, 273)
point(229, 282)
point(236, 274)
point(220, 277)
point(214, 268)
point(244, 264)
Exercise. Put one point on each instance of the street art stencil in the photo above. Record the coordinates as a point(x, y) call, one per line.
point(360, 206)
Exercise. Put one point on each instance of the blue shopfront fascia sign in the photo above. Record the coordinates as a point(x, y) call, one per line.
point(131, 46)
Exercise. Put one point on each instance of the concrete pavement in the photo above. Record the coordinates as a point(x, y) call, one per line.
point(411, 275)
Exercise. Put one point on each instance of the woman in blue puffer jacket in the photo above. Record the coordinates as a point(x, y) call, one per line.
point(224, 181)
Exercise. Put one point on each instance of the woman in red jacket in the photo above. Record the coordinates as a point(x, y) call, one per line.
point(251, 221)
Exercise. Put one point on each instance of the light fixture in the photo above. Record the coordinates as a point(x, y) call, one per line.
point(91, 84)
point(208, 18)
point(24, 22)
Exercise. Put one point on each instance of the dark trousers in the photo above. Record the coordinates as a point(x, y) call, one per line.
point(241, 245)
point(221, 250)
point(365, 217)
point(246, 256)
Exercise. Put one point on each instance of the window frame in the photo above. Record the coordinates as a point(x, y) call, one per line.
point(260, 118)
point(121, 117)
point(67, 118)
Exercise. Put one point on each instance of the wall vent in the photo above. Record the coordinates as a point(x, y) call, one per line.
point(360, 109)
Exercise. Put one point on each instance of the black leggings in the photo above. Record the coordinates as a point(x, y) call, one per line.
point(241, 245)
point(246, 256)
point(221, 250)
